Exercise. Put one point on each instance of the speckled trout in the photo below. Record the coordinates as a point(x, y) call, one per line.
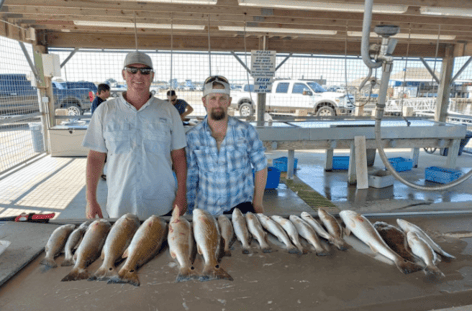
point(227, 234)
point(364, 231)
point(207, 236)
point(89, 249)
point(334, 229)
point(255, 228)
point(322, 232)
point(420, 248)
point(55, 244)
point(291, 230)
point(146, 244)
point(240, 229)
point(73, 242)
point(181, 244)
point(279, 232)
point(408, 226)
point(116, 243)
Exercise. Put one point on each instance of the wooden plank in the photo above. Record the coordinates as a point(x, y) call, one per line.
point(361, 163)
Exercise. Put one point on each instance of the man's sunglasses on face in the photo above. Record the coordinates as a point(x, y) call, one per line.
point(143, 71)
point(216, 79)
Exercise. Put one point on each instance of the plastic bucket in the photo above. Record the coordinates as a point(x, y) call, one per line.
point(37, 136)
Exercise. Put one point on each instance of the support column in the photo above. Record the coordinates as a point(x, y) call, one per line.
point(452, 154)
point(329, 160)
point(290, 164)
point(43, 84)
point(361, 163)
point(351, 173)
point(444, 88)
point(415, 156)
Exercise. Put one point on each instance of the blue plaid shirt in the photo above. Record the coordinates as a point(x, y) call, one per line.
point(218, 181)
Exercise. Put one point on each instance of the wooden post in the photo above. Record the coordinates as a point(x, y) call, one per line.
point(361, 163)
point(444, 88)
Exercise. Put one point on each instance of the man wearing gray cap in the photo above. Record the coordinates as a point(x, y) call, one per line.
point(221, 152)
point(142, 137)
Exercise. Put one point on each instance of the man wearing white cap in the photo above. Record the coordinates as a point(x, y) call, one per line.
point(221, 154)
point(142, 137)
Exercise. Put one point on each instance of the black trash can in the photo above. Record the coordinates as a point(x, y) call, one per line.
point(463, 143)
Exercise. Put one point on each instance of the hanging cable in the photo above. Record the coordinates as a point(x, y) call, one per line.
point(135, 31)
point(209, 47)
point(171, 49)
point(405, 73)
point(245, 58)
point(436, 56)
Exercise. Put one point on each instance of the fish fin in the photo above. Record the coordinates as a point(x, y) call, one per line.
point(214, 273)
point(446, 255)
point(199, 250)
point(76, 274)
point(102, 256)
point(372, 248)
point(406, 266)
point(186, 274)
point(340, 244)
point(126, 276)
point(125, 254)
point(67, 262)
point(75, 257)
point(347, 232)
point(434, 271)
point(294, 250)
point(104, 273)
point(49, 262)
point(173, 255)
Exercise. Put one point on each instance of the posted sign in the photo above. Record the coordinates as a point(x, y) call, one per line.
point(263, 70)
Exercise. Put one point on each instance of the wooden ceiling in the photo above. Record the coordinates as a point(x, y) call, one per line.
point(54, 24)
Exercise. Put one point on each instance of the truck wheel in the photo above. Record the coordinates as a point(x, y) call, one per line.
point(245, 110)
point(74, 110)
point(326, 111)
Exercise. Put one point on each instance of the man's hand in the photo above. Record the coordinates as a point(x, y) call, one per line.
point(258, 208)
point(92, 210)
point(181, 202)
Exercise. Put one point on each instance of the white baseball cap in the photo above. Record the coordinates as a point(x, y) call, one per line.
point(210, 81)
point(137, 58)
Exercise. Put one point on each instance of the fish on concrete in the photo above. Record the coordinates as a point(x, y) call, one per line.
point(55, 244)
point(420, 248)
point(408, 226)
point(89, 249)
point(395, 239)
point(116, 243)
point(207, 236)
point(181, 244)
point(240, 229)
point(145, 245)
point(73, 243)
point(322, 232)
point(309, 234)
point(227, 234)
point(334, 229)
point(255, 228)
point(279, 232)
point(291, 231)
point(364, 231)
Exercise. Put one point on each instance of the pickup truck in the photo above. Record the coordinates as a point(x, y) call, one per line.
point(289, 95)
point(17, 96)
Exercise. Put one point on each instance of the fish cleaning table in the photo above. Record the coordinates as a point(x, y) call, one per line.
point(340, 134)
point(266, 281)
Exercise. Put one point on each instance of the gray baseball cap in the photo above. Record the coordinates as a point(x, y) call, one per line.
point(208, 85)
point(137, 58)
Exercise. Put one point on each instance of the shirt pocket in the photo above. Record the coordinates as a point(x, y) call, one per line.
point(205, 161)
point(157, 138)
point(237, 157)
point(118, 141)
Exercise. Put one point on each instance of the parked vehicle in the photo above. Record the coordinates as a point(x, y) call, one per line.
point(289, 95)
point(17, 96)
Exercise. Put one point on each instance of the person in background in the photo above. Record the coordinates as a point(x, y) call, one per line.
point(221, 152)
point(181, 105)
point(103, 92)
point(142, 137)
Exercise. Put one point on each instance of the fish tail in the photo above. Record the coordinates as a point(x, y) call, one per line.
point(104, 273)
point(76, 274)
point(407, 266)
point(294, 250)
point(125, 276)
point(266, 249)
point(186, 274)
point(214, 273)
point(432, 270)
point(321, 252)
point(67, 262)
point(245, 250)
point(50, 262)
point(228, 253)
point(340, 244)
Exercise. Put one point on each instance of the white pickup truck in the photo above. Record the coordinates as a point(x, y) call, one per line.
point(290, 95)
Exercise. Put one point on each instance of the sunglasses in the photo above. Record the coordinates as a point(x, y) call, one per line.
point(143, 71)
point(216, 79)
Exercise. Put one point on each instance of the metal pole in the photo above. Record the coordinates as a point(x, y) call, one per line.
point(430, 70)
point(30, 63)
point(286, 59)
point(69, 57)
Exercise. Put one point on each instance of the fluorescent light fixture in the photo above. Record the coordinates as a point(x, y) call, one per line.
point(324, 6)
point(280, 30)
point(437, 11)
point(406, 36)
point(138, 25)
point(183, 1)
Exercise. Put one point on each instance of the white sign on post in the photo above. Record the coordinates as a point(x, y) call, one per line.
point(263, 70)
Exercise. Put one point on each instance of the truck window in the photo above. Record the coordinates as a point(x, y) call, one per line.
point(298, 88)
point(282, 88)
point(249, 88)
